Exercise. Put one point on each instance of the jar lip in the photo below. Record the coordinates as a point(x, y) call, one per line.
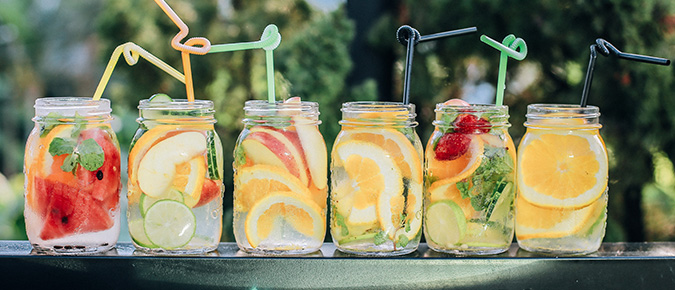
point(377, 106)
point(176, 104)
point(265, 106)
point(473, 108)
point(72, 106)
point(561, 111)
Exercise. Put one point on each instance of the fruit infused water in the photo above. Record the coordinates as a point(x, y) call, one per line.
point(72, 169)
point(470, 180)
point(377, 180)
point(175, 178)
point(280, 179)
point(561, 206)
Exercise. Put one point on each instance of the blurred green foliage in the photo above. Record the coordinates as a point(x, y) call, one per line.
point(62, 50)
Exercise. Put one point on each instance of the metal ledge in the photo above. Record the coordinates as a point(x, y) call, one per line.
point(614, 266)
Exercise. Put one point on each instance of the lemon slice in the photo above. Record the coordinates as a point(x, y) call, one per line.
point(390, 209)
point(559, 170)
point(146, 201)
point(445, 223)
point(398, 146)
point(459, 168)
point(137, 233)
point(255, 182)
point(540, 222)
point(169, 224)
point(269, 216)
point(371, 172)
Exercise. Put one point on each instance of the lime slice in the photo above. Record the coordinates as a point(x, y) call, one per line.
point(147, 201)
point(156, 98)
point(445, 223)
point(169, 224)
point(137, 232)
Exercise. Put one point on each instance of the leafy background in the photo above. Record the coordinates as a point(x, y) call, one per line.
point(338, 51)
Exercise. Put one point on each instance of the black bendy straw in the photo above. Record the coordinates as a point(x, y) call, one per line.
point(605, 48)
point(410, 37)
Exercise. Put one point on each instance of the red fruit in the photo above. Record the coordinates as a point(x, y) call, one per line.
point(470, 124)
point(210, 190)
point(103, 184)
point(451, 146)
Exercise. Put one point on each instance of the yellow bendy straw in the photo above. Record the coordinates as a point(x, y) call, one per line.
point(196, 45)
point(132, 52)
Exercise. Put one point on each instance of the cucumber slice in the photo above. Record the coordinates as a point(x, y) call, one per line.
point(156, 98)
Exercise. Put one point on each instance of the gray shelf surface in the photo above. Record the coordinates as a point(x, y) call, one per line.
point(614, 266)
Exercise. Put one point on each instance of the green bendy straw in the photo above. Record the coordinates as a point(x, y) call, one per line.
point(269, 41)
point(508, 47)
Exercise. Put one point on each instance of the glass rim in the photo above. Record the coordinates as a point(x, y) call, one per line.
point(178, 104)
point(72, 106)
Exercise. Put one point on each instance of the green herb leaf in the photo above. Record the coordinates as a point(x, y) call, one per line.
point(402, 241)
point(380, 238)
point(340, 221)
point(90, 154)
point(69, 163)
point(80, 124)
point(60, 146)
point(464, 188)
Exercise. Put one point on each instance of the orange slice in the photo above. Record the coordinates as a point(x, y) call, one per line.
point(370, 172)
point(258, 181)
point(282, 208)
point(560, 170)
point(446, 189)
point(390, 209)
point(189, 179)
point(457, 169)
point(399, 148)
point(540, 222)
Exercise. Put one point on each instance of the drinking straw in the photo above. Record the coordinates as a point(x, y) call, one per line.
point(132, 52)
point(605, 48)
point(508, 48)
point(410, 37)
point(194, 45)
point(269, 40)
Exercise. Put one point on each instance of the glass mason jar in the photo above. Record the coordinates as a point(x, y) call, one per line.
point(377, 180)
point(561, 207)
point(470, 180)
point(280, 179)
point(175, 187)
point(72, 183)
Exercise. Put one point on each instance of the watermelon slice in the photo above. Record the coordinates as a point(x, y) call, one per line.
point(81, 205)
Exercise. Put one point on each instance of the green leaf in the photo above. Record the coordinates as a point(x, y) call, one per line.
point(60, 146)
point(380, 238)
point(80, 124)
point(402, 241)
point(340, 221)
point(69, 163)
point(91, 155)
point(464, 188)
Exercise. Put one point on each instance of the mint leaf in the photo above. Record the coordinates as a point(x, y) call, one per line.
point(60, 146)
point(69, 163)
point(402, 241)
point(464, 188)
point(379, 238)
point(80, 123)
point(340, 221)
point(90, 154)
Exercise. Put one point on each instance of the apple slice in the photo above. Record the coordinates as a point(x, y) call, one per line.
point(314, 148)
point(271, 147)
point(157, 168)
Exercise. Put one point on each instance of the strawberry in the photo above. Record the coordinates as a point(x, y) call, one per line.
point(451, 146)
point(470, 124)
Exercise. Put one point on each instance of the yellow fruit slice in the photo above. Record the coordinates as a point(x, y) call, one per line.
point(44, 158)
point(457, 169)
point(446, 189)
point(189, 179)
point(256, 182)
point(390, 210)
point(559, 170)
point(371, 172)
point(400, 149)
point(282, 208)
point(540, 222)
